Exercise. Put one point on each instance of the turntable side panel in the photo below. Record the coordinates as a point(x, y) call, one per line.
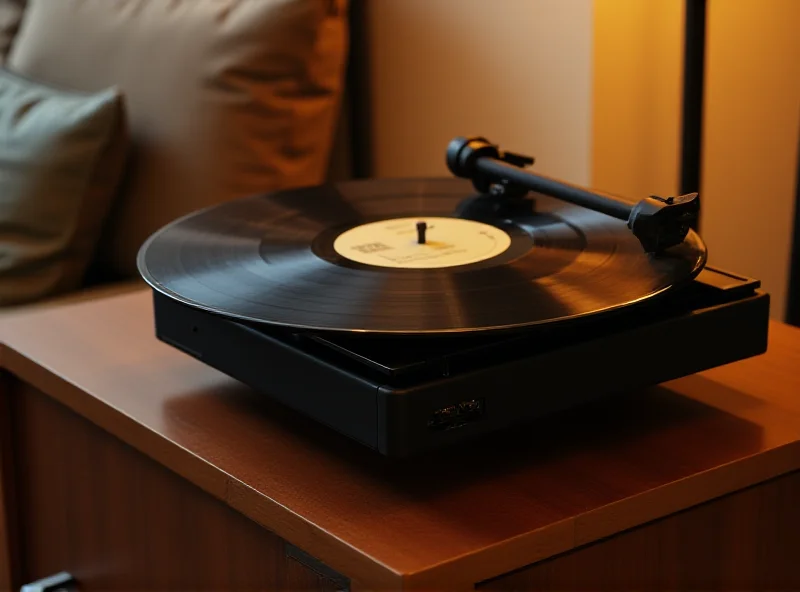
point(744, 541)
point(130, 523)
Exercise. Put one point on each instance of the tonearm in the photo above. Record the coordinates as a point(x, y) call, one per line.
point(658, 222)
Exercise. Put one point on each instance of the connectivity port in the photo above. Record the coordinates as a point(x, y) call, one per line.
point(457, 415)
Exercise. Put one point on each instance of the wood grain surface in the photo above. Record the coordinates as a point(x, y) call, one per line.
point(459, 516)
point(118, 521)
point(748, 540)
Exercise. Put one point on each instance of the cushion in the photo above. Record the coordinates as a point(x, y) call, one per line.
point(62, 155)
point(11, 12)
point(225, 98)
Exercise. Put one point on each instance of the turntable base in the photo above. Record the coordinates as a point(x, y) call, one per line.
point(134, 466)
point(407, 397)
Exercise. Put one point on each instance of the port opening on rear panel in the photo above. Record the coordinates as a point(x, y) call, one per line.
point(457, 414)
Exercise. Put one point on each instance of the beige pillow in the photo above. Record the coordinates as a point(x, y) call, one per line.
point(225, 98)
point(62, 156)
point(11, 12)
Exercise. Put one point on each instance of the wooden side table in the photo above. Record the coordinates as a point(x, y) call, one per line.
point(135, 467)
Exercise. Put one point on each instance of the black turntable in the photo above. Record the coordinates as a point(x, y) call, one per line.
point(411, 314)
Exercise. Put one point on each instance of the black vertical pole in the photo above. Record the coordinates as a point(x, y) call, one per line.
point(693, 85)
point(359, 89)
point(793, 302)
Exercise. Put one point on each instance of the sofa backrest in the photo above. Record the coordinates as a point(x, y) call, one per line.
point(224, 99)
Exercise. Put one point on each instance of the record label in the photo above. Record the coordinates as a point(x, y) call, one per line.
point(448, 242)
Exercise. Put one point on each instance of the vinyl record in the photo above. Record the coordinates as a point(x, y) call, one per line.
point(348, 257)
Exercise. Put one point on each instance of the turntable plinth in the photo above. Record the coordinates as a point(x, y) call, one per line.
point(133, 466)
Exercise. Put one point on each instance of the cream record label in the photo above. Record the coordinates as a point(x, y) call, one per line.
point(445, 242)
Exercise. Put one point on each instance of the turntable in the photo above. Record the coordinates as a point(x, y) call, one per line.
point(412, 314)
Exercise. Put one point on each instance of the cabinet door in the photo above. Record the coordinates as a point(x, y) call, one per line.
point(90, 505)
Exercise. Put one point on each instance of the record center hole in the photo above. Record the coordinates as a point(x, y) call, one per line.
point(194, 329)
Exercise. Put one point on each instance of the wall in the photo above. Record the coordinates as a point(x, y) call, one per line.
point(751, 131)
point(637, 63)
point(515, 71)
point(592, 88)
point(751, 122)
